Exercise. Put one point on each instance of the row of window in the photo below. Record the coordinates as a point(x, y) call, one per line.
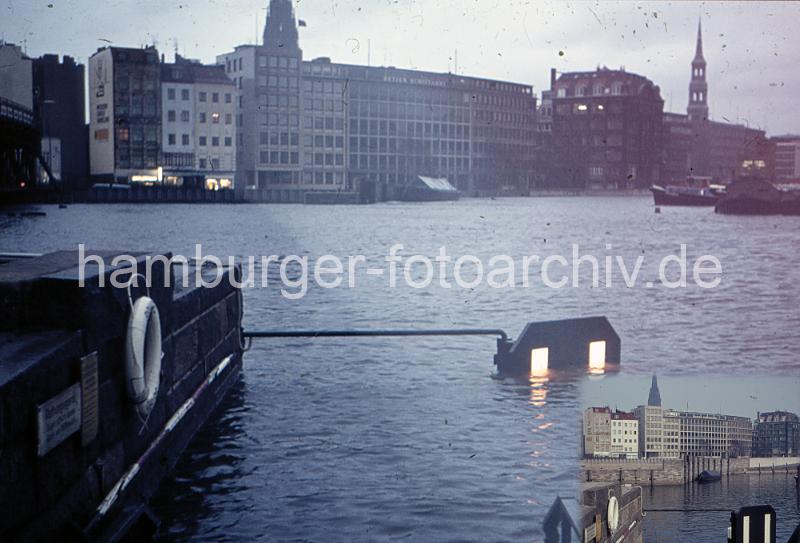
point(409, 129)
point(201, 116)
point(401, 162)
point(394, 145)
point(202, 96)
point(320, 178)
point(324, 87)
point(616, 88)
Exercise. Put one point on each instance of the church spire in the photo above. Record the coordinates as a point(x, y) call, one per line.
point(654, 398)
point(698, 88)
point(698, 51)
point(280, 30)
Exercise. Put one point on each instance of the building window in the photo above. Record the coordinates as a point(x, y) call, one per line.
point(215, 117)
point(215, 97)
point(202, 141)
point(185, 94)
point(228, 141)
point(202, 96)
point(171, 139)
point(203, 117)
point(185, 116)
point(227, 98)
point(170, 94)
point(202, 164)
point(215, 141)
point(171, 115)
point(228, 118)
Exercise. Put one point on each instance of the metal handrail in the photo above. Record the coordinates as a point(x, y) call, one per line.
point(250, 334)
point(372, 333)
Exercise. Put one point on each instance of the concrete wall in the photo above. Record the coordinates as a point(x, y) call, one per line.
point(775, 463)
point(48, 326)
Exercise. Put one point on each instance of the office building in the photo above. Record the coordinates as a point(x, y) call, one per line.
point(198, 106)
point(59, 103)
point(707, 434)
point(125, 116)
point(776, 433)
point(786, 158)
point(659, 428)
point(16, 76)
point(309, 126)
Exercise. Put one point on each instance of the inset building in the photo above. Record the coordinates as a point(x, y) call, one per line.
point(659, 428)
point(776, 433)
point(597, 432)
point(707, 434)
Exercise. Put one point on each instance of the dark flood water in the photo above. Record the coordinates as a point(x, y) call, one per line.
point(372, 439)
point(731, 493)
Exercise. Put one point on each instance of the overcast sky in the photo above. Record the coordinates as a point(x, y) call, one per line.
point(752, 49)
point(742, 396)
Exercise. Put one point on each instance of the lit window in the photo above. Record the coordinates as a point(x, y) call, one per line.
point(597, 356)
point(539, 360)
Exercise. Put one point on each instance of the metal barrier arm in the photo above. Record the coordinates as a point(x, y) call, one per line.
point(250, 334)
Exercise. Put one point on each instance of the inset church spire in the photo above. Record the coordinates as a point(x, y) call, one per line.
point(654, 398)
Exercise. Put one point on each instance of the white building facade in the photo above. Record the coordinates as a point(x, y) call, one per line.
point(199, 125)
point(624, 435)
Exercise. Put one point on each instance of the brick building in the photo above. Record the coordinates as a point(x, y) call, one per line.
point(607, 129)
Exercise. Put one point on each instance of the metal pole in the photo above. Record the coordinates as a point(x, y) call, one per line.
point(374, 333)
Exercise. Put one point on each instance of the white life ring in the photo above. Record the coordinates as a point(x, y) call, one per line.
point(613, 514)
point(143, 355)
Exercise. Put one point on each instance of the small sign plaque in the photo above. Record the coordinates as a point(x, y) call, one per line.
point(58, 418)
point(589, 533)
point(89, 416)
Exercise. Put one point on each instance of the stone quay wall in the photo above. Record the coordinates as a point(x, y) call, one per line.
point(658, 471)
point(62, 372)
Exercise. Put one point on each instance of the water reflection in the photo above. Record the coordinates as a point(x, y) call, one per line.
point(538, 384)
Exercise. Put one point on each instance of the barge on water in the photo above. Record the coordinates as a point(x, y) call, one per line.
point(674, 195)
point(102, 388)
point(759, 197)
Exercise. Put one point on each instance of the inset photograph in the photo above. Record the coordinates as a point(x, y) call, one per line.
point(689, 459)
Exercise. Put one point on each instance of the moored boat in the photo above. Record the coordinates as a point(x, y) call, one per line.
point(674, 195)
point(759, 197)
point(708, 476)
